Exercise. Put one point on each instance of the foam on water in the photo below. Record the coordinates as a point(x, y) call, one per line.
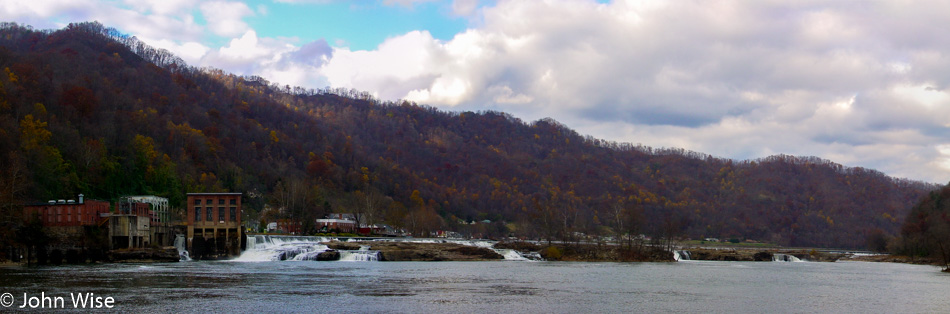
point(681, 255)
point(180, 245)
point(778, 257)
point(265, 248)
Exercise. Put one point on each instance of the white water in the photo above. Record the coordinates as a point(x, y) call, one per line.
point(264, 248)
point(180, 245)
point(785, 258)
point(681, 255)
point(363, 255)
point(510, 255)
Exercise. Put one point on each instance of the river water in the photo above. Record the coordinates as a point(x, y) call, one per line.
point(502, 287)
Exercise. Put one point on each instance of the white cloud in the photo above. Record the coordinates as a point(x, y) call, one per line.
point(38, 13)
point(191, 52)
point(162, 7)
point(398, 66)
point(464, 7)
point(226, 18)
point(279, 60)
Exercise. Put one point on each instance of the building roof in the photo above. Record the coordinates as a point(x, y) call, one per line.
point(47, 203)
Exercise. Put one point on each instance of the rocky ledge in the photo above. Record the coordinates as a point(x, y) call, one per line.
point(340, 245)
point(147, 255)
point(750, 255)
point(577, 252)
point(408, 251)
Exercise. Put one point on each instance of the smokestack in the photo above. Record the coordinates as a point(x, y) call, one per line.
point(80, 199)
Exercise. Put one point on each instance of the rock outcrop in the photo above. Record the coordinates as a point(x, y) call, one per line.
point(329, 256)
point(604, 253)
point(340, 245)
point(408, 251)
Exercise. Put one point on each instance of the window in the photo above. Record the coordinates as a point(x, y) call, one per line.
point(221, 213)
point(208, 210)
point(197, 202)
point(221, 201)
point(209, 201)
point(233, 213)
point(233, 201)
point(197, 213)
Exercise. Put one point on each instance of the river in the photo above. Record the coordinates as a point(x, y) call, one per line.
point(503, 286)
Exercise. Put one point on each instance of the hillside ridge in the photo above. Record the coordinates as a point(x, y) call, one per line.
point(88, 110)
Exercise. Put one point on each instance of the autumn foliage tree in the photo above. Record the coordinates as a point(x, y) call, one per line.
point(926, 231)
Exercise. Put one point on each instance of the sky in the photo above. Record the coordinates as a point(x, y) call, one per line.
point(860, 83)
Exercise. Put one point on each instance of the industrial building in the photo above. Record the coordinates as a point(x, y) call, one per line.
point(69, 213)
point(161, 228)
point(214, 224)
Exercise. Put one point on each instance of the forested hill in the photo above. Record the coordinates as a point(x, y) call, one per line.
point(88, 110)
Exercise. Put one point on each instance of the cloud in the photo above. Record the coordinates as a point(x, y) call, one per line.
point(399, 65)
point(226, 18)
point(191, 52)
point(161, 7)
point(280, 60)
point(38, 13)
point(464, 7)
point(857, 83)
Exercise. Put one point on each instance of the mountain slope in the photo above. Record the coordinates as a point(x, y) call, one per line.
point(88, 110)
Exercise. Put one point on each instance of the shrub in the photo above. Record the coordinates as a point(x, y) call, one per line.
point(551, 253)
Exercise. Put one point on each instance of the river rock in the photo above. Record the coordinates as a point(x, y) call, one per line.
point(763, 256)
point(328, 256)
point(722, 255)
point(340, 245)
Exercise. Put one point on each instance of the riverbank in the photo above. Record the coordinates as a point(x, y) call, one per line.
point(887, 258)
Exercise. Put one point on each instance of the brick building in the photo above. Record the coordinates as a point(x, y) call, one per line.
point(216, 219)
point(288, 226)
point(69, 213)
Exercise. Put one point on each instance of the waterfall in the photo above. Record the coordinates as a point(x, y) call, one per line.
point(514, 255)
point(263, 248)
point(778, 257)
point(180, 245)
point(679, 255)
point(362, 255)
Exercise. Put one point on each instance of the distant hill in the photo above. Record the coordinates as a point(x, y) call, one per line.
point(88, 110)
